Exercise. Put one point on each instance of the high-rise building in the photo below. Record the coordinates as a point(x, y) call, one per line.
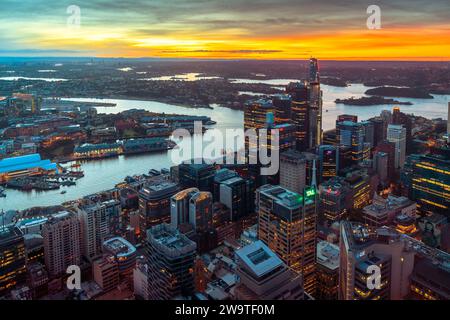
point(255, 113)
point(12, 259)
point(361, 248)
point(400, 118)
point(352, 134)
point(408, 268)
point(430, 182)
point(154, 204)
point(381, 165)
point(315, 101)
point(300, 113)
point(237, 195)
point(201, 176)
point(123, 252)
point(192, 212)
point(361, 185)
point(282, 104)
point(379, 130)
point(179, 206)
point(327, 271)
point(397, 135)
point(263, 276)
point(220, 176)
point(201, 212)
point(293, 171)
point(333, 200)
point(328, 162)
point(287, 223)
point(171, 258)
point(97, 221)
point(388, 148)
point(62, 242)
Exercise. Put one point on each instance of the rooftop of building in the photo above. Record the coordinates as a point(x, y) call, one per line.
point(26, 162)
point(9, 231)
point(328, 255)
point(258, 258)
point(232, 180)
point(263, 103)
point(159, 189)
point(431, 273)
point(382, 206)
point(197, 164)
point(286, 197)
point(184, 194)
point(119, 247)
point(170, 238)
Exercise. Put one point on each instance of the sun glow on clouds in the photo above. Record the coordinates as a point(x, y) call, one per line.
point(237, 30)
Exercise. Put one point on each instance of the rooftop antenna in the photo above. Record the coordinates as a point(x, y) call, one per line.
point(313, 179)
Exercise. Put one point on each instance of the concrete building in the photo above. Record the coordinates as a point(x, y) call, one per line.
point(327, 271)
point(106, 273)
point(287, 224)
point(123, 252)
point(383, 211)
point(154, 204)
point(62, 242)
point(293, 171)
point(98, 220)
point(263, 276)
point(397, 135)
point(170, 263)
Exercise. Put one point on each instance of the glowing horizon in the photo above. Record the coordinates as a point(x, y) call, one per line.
point(412, 30)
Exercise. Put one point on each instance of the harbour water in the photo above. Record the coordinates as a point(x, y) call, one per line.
point(104, 174)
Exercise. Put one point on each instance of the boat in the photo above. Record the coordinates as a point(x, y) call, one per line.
point(63, 192)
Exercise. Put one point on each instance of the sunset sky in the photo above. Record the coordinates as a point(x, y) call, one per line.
point(261, 29)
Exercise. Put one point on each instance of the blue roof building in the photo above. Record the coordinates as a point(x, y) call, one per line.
point(25, 165)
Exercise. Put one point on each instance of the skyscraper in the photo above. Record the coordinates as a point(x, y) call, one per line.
point(201, 212)
point(404, 120)
point(352, 134)
point(333, 199)
point(154, 204)
point(381, 165)
point(238, 195)
point(193, 175)
point(170, 257)
point(62, 242)
point(97, 221)
point(328, 162)
point(282, 104)
point(255, 113)
point(397, 135)
point(430, 182)
point(179, 206)
point(388, 148)
point(287, 223)
point(315, 100)
point(408, 268)
point(12, 259)
point(300, 113)
point(293, 171)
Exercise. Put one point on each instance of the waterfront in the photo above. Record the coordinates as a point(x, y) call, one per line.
point(104, 174)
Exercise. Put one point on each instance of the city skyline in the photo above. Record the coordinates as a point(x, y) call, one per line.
point(330, 30)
